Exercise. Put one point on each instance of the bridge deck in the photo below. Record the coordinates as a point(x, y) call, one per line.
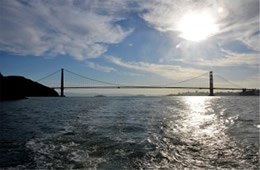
point(150, 87)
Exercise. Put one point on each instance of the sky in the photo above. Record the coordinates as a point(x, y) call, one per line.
point(132, 42)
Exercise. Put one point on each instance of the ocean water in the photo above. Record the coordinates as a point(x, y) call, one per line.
point(130, 133)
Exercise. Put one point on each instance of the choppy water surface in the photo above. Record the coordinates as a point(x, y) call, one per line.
point(130, 133)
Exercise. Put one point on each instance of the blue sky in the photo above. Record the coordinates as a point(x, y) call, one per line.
point(137, 42)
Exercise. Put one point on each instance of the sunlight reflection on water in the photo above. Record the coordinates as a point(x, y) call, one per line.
point(157, 133)
point(200, 120)
point(203, 131)
point(198, 130)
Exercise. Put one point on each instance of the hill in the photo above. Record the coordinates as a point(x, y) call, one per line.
point(18, 87)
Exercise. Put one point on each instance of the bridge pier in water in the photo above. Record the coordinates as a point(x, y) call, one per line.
point(211, 88)
point(62, 83)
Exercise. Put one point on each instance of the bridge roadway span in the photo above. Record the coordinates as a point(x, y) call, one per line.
point(150, 87)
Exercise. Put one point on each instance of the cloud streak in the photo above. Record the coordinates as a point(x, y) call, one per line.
point(237, 21)
point(168, 71)
point(51, 28)
point(235, 16)
point(86, 29)
point(99, 67)
point(249, 60)
point(230, 59)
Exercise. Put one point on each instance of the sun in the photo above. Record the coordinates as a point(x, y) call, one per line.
point(197, 26)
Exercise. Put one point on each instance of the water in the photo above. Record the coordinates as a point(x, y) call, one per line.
point(130, 133)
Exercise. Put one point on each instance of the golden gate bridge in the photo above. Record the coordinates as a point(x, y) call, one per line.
point(109, 85)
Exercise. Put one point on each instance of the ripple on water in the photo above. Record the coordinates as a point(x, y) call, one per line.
point(133, 133)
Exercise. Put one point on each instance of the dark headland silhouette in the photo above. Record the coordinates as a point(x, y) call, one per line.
point(18, 87)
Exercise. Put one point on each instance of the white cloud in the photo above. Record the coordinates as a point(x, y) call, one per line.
point(250, 60)
point(164, 15)
point(230, 59)
point(99, 67)
point(252, 40)
point(132, 74)
point(51, 28)
point(169, 71)
point(85, 29)
point(238, 19)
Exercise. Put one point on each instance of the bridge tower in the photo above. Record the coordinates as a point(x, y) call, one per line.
point(211, 88)
point(62, 83)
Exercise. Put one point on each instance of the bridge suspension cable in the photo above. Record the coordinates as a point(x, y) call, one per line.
point(48, 75)
point(227, 81)
point(99, 81)
point(185, 80)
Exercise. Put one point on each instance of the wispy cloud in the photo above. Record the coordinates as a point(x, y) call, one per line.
point(132, 74)
point(99, 67)
point(236, 15)
point(85, 29)
point(165, 15)
point(51, 28)
point(228, 59)
point(168, 71)
point(238, 20)
point(249, 60)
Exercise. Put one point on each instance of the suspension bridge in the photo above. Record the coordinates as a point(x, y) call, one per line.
point(109, 85)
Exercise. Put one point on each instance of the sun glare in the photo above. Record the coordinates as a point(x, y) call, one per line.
point(197, 26)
